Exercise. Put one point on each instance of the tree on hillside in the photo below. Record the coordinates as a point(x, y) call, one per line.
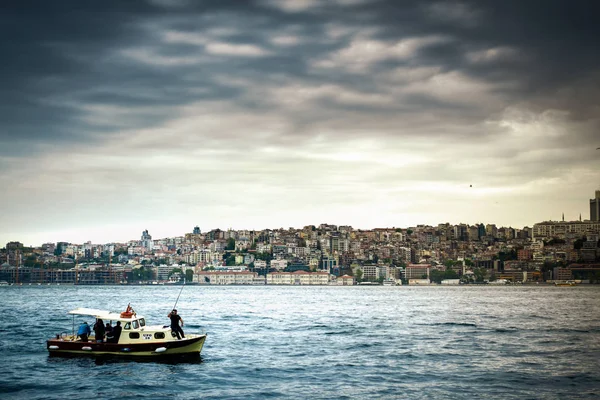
point(175, 271)
point(189, 275)
point(450, 274)
point(578, 244)
point(264, 256)
point(230, 244)
point(359, 275)
point(449, 263)
point(435, 276)
point(480, 274)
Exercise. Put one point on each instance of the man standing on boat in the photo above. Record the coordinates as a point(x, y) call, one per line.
point(175, 324)
point(115, 333)
point(84, 331)
point(99, 330)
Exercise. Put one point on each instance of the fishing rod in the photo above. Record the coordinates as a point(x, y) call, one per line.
point(179, 294)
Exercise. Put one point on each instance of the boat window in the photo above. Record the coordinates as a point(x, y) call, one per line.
point(159, 335)
point(142, 322)
point(134, 335)
point(127, 326)
point(135, 324)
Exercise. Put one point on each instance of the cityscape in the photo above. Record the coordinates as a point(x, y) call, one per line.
point(547, 252)
point(300, 199)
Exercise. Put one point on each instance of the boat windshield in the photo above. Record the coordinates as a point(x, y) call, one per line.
point(135, 324)
point(142, 322)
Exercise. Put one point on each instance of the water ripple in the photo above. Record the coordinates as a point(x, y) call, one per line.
point(318, 343)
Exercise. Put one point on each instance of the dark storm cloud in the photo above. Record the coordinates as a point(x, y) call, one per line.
point(64, 60)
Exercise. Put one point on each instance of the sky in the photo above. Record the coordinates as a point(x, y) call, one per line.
point(117, 116)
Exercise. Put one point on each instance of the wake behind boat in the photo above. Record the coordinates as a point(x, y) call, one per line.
point(137, 339)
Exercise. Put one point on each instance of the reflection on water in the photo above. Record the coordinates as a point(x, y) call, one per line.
point(116, 359)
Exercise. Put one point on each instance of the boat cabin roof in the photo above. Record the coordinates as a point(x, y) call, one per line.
point(103, 314)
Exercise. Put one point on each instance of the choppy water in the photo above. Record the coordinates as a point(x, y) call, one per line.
point(319, 342)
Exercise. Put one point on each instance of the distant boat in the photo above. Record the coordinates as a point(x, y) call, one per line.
point(564, 283)
point(4, 283)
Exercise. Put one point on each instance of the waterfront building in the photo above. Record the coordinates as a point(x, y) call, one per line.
point(375, 272)
point(162, 271)
point(417, 271)
point(298, 278)
point(346, 280)
point(562, 274)
point(419, 282)
point(450, 282)
point(225, 277)
point(519, 276)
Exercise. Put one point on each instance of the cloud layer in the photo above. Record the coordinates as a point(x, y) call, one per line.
point(118, 117)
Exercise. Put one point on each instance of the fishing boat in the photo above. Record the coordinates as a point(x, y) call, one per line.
point(137, 339)
point(564, 283)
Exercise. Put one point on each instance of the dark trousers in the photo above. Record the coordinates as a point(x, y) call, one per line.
point(178, 331)
point(84, 337)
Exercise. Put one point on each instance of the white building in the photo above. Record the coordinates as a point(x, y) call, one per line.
point(450, 282)
point(225, 277)
point(298, 278)
point(419, 282)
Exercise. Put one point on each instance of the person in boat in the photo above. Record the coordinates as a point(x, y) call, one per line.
point(175, 319)
point(115, 333)
point(108, 332)
point(84, 331)
point(99, 330)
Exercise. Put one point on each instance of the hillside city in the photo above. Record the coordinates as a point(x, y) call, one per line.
point(324, 255)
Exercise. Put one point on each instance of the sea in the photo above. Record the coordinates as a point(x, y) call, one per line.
point(309, 342)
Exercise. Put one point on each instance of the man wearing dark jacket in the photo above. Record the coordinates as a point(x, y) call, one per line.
point(175, 318)
point(115, 334)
